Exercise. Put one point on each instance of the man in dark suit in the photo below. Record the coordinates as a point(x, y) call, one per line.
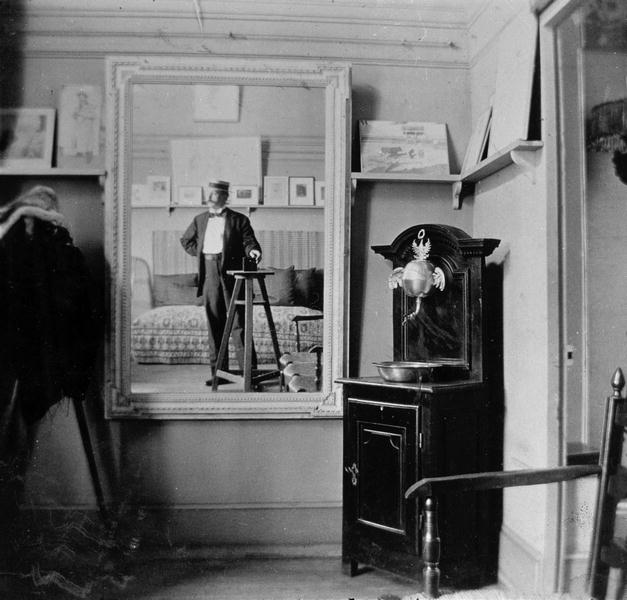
point(220, 238)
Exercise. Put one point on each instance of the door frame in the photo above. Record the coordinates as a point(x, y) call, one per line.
point(565, 383)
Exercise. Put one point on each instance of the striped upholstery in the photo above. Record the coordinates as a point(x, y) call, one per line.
point(303, 249)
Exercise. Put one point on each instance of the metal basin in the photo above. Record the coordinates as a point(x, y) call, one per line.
point(406, 372)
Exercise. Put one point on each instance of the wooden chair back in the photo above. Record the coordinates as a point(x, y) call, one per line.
point(606, 552)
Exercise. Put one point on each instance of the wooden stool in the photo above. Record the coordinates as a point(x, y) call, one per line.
point(247, 278)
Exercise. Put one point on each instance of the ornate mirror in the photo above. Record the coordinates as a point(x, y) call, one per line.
point(278, 131)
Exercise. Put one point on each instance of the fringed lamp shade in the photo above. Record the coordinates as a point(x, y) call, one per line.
point(607, 127)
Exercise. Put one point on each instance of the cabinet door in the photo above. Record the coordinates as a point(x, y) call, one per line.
point(381, 462)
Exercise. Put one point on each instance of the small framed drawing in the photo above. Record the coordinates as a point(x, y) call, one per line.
point(189, 195)
point(275, 190)
point(301, 191)
point(216, 102)
point(159, 189)
point(243, 195)
point(321, 190)
point(79, 140)
point(26, 137)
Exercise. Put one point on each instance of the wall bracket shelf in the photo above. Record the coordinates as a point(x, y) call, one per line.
point(519, 152)
point(53, 172)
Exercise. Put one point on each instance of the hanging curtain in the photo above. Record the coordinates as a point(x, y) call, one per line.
point(48, 328)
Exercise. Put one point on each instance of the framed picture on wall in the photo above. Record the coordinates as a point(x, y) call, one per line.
point(216, 102)
point(243, 195)
point(159, 189)
point(275, 190)
point(301, 191)
point(320, 192)
point(26, 137)
point(79, 140)
point(196, 160)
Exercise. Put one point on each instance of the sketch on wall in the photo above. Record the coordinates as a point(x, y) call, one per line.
point(216, 102)
point(234, 159)
point(79, 139)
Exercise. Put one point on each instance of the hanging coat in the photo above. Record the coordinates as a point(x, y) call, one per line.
point(49, 332)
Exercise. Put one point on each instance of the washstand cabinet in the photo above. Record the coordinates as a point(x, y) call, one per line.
point(396, 433)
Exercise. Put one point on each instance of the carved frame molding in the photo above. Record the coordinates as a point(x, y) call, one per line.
point(122, 72)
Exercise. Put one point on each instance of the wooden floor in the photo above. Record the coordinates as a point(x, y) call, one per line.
point(224, 579)
point(276, 579)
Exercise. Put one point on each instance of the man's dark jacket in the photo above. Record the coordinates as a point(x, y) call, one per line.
point(239, 240)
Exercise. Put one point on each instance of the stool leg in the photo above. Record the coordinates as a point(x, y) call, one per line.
point(248, 335)
point(91, 460)
point(272, 329)
point(224, 344)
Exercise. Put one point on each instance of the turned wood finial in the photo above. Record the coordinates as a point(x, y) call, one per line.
point(431, 549)
point(618, 382)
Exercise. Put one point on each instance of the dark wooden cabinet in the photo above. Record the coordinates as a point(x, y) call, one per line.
point(395, 434)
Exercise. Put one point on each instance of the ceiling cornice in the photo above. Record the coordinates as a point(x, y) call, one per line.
point(419, 33)
point(357, 61)
point(432, 12)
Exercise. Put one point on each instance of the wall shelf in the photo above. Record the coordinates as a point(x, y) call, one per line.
point(72, 173)
point(512, 154)
point(238, 207)
point(51, 172)
point(400, 177)
point(519, 152)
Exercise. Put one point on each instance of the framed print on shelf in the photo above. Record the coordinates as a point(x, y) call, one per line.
point(478, 141)
point(243, 195)
point(403, 147)
point(301, 191)
point(159, 189)
point(79, 139)
point(189, 195)
point(321, 191)
point(514, 82)
point(275, 190)
point(26, 137)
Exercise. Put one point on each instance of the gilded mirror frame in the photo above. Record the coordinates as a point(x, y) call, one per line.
point(122, 73)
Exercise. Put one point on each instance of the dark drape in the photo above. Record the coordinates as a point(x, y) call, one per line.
point(48, 329)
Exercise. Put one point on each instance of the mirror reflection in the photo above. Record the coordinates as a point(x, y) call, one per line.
point(268, 143)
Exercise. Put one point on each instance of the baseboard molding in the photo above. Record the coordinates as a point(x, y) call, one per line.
point(233, 526)
point(519, 563)
point(248, 551)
